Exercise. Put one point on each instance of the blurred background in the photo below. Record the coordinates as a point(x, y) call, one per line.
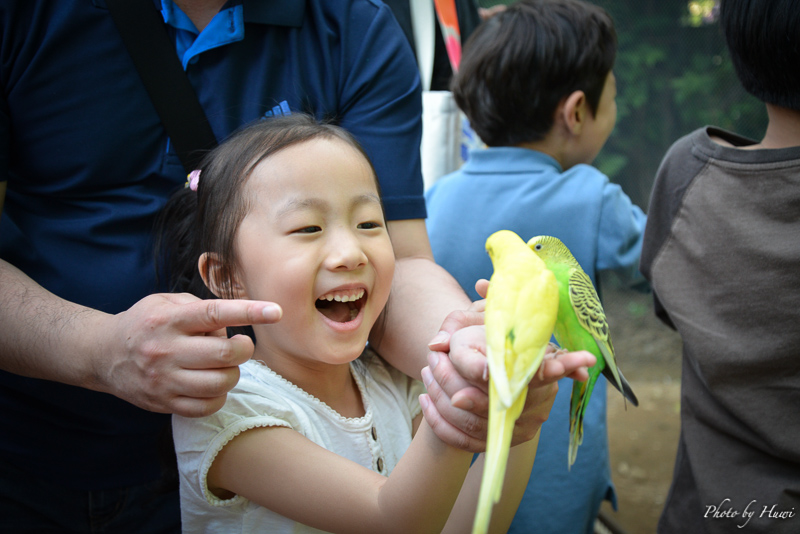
point(673, 75)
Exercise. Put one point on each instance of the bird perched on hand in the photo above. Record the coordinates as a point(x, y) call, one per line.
point(521, 309)
point(581, 325)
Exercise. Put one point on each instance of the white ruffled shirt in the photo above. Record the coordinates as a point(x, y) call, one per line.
point(263, 399)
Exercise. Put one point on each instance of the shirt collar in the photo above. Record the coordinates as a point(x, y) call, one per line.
point(227, 26)
point(514, 159)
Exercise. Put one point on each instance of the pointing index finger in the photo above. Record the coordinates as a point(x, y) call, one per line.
point(211, 315)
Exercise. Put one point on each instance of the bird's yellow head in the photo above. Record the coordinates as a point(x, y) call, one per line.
point(551, 250)
point(502, 241)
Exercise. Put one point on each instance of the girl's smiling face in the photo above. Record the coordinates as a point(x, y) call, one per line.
point(315, 241)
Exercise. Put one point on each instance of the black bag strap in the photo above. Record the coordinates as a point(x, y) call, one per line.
point(145, 36)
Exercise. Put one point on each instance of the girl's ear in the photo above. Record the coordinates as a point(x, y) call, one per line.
point(211, 271)
point(573, 112)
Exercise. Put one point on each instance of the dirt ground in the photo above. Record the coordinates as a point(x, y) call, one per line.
point(643, 439)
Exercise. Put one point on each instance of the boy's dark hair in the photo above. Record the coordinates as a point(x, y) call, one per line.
point(520, 64)
point(763, 38)
point(206, 220)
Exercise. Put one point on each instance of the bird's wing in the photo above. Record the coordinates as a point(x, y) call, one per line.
point(592, 317)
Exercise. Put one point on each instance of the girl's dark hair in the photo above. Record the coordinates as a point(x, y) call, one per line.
point(206, 220)
point(519, 65)
point(763, 39)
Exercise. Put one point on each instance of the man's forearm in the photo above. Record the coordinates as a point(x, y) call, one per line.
point(41, 334)
point(423, 294)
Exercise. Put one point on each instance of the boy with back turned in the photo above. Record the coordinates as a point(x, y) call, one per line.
point(722, 250)
point(537, 85)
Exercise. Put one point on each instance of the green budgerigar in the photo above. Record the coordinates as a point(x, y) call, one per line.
point(521, 309)
point(581, 325)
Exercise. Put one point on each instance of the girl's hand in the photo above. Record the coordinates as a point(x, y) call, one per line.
point(461, 401)
point(457, 382)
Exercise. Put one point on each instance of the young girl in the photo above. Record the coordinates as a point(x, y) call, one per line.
point(315, 435)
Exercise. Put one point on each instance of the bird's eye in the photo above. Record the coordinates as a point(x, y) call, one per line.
point(538, 246)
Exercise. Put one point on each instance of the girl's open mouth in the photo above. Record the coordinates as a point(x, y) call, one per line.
point(342, 306)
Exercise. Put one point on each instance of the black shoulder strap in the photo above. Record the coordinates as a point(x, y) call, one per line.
point(145, 36)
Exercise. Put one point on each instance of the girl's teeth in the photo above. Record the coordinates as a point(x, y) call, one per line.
point(344, 298)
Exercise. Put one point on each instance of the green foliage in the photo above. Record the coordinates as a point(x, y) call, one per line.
point(674, 75)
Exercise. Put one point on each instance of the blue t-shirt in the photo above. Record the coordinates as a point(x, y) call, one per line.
point(88, 166)
point(527, 192)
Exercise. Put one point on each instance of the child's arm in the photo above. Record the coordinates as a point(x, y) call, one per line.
point(620, 238)
point(282, 470)
point(518, 471)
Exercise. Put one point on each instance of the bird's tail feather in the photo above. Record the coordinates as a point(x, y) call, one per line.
point(627, 391)
point(577, 408)
point(498, 442)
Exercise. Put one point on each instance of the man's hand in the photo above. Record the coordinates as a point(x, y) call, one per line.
point(169, 352)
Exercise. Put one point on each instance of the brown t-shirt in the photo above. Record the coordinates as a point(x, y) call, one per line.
point(722, 251)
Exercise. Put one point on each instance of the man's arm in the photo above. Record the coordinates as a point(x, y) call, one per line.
point(165, 354)
point(423, 294)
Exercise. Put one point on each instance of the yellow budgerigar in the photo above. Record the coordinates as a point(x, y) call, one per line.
point(521, 309)
point(581, 325)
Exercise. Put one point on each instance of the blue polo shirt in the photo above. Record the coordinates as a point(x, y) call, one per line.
point(88, 166)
